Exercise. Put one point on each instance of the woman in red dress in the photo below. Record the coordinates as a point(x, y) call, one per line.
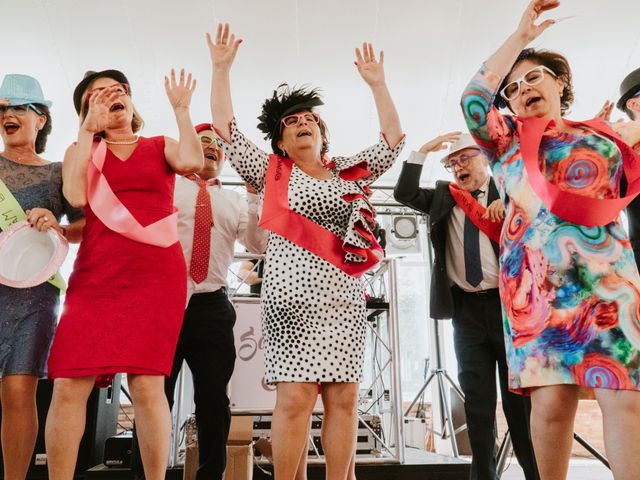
point(127, 293)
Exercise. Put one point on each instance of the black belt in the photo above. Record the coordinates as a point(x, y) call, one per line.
point(478, 293)
point(217, 293)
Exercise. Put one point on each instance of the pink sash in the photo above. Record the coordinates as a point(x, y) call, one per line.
point(570, 206)
point(110, 210)
point(475, 211)
point(278, 217)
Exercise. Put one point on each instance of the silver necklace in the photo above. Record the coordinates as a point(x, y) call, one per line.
point(122, 142)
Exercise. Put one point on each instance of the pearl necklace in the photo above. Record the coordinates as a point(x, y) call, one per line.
point(122, 142)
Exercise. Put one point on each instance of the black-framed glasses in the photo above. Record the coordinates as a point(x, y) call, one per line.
point(461, 160)
point(532, 77)
point(19, 110)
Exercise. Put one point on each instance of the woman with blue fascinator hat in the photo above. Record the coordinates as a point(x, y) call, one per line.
point(31, 189)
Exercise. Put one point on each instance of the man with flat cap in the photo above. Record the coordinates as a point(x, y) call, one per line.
point(465, 219)
point(629, 103)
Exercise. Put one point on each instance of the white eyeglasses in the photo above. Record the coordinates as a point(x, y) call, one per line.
point(533, 77)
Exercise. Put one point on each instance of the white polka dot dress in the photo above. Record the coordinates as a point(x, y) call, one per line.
point(313, 314)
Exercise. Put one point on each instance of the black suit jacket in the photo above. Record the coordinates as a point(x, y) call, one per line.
point(437, 203)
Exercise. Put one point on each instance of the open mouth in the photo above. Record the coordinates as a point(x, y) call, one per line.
point(10, 127)
point(463, 177)
point(116, 107)
point(532, 100)
point(210, 154)
point(304, 133)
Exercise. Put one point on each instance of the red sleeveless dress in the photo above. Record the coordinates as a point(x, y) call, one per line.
point(125, 302)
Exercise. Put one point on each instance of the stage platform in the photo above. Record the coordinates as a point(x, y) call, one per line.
point(419, 465)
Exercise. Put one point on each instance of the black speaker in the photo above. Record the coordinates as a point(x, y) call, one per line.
point(102, 417)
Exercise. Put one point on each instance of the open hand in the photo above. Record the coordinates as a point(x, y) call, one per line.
point(97, 117)
point(370, 69)
point(527, 27)
point(179, 92)
point(224, 50)
point(605, 111)
point(440, 143)
point(495, 212)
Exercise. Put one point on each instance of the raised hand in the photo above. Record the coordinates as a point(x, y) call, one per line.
point(179, 92)
point(370, 69)
point(223, 50)
point(97, 118)
point(605, 111)
point(440, 143)
point(527, 27)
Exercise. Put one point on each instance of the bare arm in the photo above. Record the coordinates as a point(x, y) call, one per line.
point(250, 234)
point(185, 155)
point(76, 158)
point(372, 72)
point(223, 52)
point(502, 60)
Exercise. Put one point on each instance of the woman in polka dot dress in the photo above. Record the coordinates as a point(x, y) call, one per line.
point(316, 208)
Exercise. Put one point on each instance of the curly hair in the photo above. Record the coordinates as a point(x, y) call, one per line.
point(284, 101)
point(556, 62)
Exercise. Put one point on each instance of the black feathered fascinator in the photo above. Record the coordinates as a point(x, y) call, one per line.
point(284, 101)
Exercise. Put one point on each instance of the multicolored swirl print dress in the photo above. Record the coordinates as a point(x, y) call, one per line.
point(570, 294)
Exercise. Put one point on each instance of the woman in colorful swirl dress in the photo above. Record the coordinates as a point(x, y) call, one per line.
point(320, 243)
point(568, 281)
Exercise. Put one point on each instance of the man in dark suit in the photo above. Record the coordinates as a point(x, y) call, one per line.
point(464, 287)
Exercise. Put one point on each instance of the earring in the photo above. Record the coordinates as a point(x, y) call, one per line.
point(284, 152)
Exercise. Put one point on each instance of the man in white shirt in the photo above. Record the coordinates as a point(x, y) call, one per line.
point(210, 220)
point(464, 287)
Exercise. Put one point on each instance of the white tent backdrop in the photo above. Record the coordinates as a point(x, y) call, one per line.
point(432, 49)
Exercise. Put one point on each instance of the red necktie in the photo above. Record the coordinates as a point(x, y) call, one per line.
point(203, 221)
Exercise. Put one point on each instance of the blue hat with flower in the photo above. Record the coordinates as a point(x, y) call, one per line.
point(22, 89)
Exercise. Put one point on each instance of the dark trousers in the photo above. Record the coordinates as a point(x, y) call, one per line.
point(479, 345)
point(206, 344)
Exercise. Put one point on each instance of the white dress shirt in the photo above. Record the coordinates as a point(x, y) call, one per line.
point(455, 250)
point(455, 243)
point(234, 218)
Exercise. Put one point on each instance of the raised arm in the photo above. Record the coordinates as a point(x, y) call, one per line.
point(184, 156)
point(76, 158)
point(407, 191)
point(223, 52)
point(488, 127)
point(372, 72)
point(502, 60)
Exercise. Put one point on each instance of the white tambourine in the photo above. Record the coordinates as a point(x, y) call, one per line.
point(29, 257)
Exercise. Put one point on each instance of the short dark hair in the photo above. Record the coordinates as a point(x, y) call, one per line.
point(554, 61)
point(43, 133)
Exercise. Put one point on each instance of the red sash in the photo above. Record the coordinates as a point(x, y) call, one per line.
point(475, 212)
point(280, 219)
point(570, 206)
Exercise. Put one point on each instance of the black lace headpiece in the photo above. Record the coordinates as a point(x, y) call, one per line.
point(284, 101)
